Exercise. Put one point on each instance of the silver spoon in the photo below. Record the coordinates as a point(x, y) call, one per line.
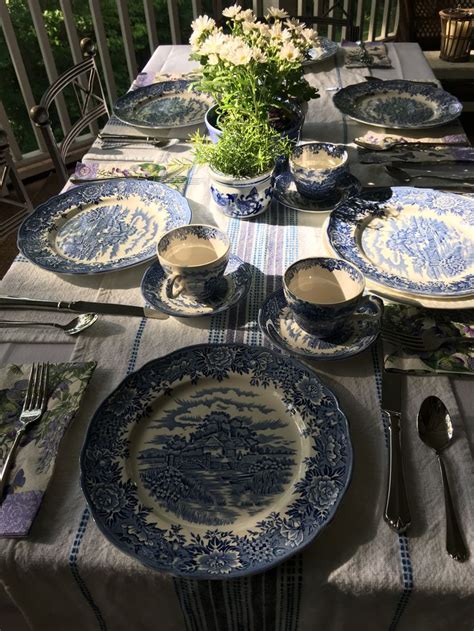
point(436, 431)
point(74, 327)
point(402, 176)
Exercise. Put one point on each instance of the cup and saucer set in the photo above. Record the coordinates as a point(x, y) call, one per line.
point(318, 179)
point(195, 275)
point(321, 312)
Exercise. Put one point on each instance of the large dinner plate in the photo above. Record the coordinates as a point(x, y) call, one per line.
point(418, 241)
point(398, 104)
point(168, 104)
point(323, 49)
point(101, 226)
point(216, 461)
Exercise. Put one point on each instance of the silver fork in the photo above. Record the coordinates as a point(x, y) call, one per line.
point(33, 409)
point(427, 342)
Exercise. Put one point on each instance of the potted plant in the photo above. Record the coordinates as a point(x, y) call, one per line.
point(241, 163)
point(254, 66)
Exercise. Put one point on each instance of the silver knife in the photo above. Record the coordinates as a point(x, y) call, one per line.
point(397, 512)
point(79, 306)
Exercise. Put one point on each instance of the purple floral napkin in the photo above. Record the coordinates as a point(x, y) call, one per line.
point(450, 358)
point(34, 463)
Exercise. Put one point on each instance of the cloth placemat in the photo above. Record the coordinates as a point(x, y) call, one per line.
point(34, 461)
point(450, 358)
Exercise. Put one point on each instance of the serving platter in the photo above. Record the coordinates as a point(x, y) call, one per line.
point(216, 461)
point(163, 105)
point(101, 226)
point(415, 241)
point(323, 49)
point(398, 104)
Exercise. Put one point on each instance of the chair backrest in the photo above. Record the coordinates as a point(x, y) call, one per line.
point(337, 14)
point(420, 21)
point(12, 191)
point(85, 80)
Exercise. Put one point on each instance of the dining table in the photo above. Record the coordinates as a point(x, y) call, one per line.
point(358, 573)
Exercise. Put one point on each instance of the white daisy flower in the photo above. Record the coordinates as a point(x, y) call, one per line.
point(239, 55)
point(232, 11)
point(213, 44)
point(245, 16)
point(259, 56)
point(203, 23)
point(289, 52)
point(275, 12)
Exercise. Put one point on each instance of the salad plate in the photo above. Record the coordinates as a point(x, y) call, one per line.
point(286, 193)
point(278, 325)
point(323, 49)
point(234, 285)
point(216, 461)
point(167, 104)
point(397, 104)
point(416, 241)
point(101, 226)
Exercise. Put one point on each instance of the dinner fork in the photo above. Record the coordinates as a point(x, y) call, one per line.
point(427, 342)
point(33, 409)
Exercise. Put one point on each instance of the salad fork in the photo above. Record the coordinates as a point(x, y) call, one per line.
point(33, 409)
point(427, 342)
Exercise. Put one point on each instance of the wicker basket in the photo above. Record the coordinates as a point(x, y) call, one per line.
point(456, 33)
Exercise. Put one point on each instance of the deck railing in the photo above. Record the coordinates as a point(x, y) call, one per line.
point(158, 22)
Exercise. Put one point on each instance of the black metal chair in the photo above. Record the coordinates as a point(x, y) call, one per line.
point(85, 80)
point(12, 191)
point(334, 13)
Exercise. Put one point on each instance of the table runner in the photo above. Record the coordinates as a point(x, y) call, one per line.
point(357, 574)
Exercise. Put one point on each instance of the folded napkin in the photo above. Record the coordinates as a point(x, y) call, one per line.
point(379, 141)
point(147, 78)
point(417, 155)
point(174, 173)
point(34, 462)
point(371, 56)
point(452, 358)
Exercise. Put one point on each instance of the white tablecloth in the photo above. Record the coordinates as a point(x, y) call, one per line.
point(358, 574)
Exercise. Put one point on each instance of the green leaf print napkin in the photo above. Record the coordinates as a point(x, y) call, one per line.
point(450, 358)
point(34, 462)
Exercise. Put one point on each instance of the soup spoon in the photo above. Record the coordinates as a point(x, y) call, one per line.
point(436, 431)
point(74, 327)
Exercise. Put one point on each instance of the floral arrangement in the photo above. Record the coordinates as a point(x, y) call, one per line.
point(249, 66)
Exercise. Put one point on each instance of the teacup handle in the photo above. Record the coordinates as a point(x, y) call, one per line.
point(172, 290)
point(376, 317)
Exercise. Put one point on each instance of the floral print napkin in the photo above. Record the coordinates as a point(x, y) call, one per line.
point(376, 56)
point(450, 358)
point(379, 141)
point(34, 462)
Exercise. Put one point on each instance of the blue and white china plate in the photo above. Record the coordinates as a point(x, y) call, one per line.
point(397, 104)
point(233, 287)
point(277, 323)
point(323, 49)
point(168, 104)
point(287, 193)
point(216, 461)
point(418, 241)
point(101, 226)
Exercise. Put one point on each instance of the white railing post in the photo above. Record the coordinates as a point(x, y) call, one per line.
point(126, 30)
point(151, 25)
point(104, 55)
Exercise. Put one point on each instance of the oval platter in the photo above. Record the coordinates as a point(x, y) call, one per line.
point(101, 226)
point(397, 104)
point(163, 105)
point(216, 461)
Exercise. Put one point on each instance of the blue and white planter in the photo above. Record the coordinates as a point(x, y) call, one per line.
point(242, 198)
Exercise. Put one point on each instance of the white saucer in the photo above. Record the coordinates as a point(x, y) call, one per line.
point(234, 286)
point(276, 322)
point(287, 193)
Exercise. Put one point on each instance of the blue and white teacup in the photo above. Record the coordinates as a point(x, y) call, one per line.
point(194, 257)
point(323, 293)
point(316, 168)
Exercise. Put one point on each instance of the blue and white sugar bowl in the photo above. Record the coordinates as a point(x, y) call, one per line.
point(323, 293)
point(316, 167)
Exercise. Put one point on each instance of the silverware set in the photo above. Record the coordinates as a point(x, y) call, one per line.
point(435, 430)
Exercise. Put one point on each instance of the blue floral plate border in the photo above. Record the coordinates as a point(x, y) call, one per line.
point(109, 229)
point(425, 247)
point(204, 547)
point(328, 49)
